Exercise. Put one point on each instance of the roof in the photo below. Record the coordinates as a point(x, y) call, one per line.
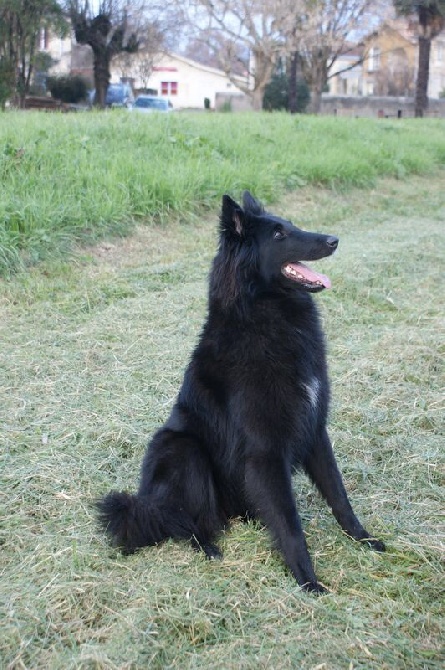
point(199, 66)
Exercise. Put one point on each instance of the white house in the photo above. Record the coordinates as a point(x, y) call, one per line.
point(186, 83)
point(346, 73)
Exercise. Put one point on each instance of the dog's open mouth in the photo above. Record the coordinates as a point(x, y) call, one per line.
point(302, 274)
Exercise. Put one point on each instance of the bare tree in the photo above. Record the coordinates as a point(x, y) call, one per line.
point(113, 27)
point(106, 28)
point(152, 41)
point(206, 46)
point(250, 32)
point(319, 32)
point(312, 33)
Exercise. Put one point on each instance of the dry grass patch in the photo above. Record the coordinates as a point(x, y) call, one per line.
point(92, 356)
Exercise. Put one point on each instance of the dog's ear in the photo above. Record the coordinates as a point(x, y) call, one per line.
point(232, 216)
point(251, 205)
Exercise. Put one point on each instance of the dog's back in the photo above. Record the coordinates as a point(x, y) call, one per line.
point(252, 406)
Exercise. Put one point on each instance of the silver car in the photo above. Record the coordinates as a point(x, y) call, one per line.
point(150, 103)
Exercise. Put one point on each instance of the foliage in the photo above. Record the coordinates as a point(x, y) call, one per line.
point(69, 88)
point(6, 80)
point(42, 63)
point(276, 94)
point(20, 25)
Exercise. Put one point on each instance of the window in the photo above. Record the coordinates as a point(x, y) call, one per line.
point(43, 42)
point(373, 59)
point(169, 88)
point(439, 53)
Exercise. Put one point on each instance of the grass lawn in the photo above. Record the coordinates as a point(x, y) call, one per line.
point(71, 177)
point(91, 358)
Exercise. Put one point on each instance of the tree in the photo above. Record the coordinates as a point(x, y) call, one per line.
point(249, 31)
point(431, 21)
point(21, 22)
point(312, 33)
point(106, 28)
point(318, 33)
point(6, 80)
point(153, 40)
point(206, 47)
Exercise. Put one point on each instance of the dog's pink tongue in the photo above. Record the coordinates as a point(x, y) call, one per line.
point(310, 275)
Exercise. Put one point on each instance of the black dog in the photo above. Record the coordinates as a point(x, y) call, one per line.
point(252, 406)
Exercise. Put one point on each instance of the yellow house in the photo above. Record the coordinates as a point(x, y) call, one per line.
point(390, 67)
point(391, 63)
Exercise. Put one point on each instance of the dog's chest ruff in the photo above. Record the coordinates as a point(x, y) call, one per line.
point(313, 391)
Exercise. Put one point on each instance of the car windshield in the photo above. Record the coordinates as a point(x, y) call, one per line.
point(151, 103)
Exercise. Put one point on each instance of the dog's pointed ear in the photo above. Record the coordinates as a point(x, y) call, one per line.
point(251, 204)
point(232, 216)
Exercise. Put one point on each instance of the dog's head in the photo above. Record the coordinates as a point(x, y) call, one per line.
point(274, 245)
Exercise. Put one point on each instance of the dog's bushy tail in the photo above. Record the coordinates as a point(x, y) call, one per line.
point(131, 521)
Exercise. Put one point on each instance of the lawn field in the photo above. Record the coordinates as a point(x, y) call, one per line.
point(93, 346)
point(66, 178)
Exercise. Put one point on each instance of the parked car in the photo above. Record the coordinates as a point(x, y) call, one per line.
point(118, 95)
point(150, 103)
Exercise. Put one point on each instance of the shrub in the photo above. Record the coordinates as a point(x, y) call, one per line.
point(71, 88)
point(6, 80)
point(276, 95)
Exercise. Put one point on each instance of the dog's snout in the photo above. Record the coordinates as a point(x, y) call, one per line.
point(332, 242)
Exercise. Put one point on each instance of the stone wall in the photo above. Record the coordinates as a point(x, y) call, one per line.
point(232, 102)
point(353, 106)
point(374, 106)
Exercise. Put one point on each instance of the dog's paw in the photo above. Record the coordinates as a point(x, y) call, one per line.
point(376, 545)
point(314, 587)
point(212, 552)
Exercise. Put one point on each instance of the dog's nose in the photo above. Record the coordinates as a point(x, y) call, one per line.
point(332, 242)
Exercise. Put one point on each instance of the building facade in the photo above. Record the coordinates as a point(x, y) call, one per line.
point(184, 82)
point(389, 64)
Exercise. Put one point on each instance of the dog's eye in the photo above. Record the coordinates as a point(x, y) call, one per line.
point(279, 234)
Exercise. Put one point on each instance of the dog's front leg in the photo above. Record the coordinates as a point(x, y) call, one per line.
point(322, 468)
point(269, 492)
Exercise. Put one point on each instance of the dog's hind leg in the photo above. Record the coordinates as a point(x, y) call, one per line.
point(212, 551)
point(178, 473)
point(269, 491)
point(322, 468)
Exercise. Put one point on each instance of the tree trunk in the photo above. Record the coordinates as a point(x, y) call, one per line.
point(315, 103)
point(293, 82)
point(421, 99)
point(257, 96)
point(318, 78)
point(101, 64)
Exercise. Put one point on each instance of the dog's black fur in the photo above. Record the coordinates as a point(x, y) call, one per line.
point(252, 406)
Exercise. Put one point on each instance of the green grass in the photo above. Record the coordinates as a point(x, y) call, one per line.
point(74, 177)
point(92, 356)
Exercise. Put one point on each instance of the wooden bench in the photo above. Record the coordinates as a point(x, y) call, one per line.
point(47, 104)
